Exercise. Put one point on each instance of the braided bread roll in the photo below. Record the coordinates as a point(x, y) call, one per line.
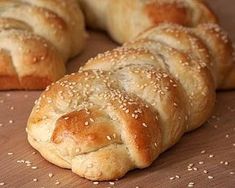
point(125, 19)
point(130, 104)
point(37, 38)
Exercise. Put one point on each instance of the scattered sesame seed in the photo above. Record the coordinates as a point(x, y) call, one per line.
point(86, 123)
point(111, 183)
point(227, 135)
point(109, 137)
point(200, 162)
point(203, 151)
point(172, 178)
point(50, 175)
point(210, 177)
point(11, 121)
point(211, 156)
point(195, 169)
point(95, 182)
point(226, 163)
point(221, 162)
point(57, 182)
point(35, 179)
point(34, 167)
point(10, 153)
point(2, 183)
point(205, 171)
point(231, 173)
point(177, 176)
point(191, 184)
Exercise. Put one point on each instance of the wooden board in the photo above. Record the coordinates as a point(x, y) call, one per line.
point(20, 164)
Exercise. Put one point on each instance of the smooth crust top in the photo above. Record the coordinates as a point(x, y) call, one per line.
point(111, 15)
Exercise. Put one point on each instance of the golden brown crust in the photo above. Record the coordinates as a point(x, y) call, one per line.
point(175, 14)
point(111, 15)
point(37, 38)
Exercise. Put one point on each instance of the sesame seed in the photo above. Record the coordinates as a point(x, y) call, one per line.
point(34, 167)
point(11, 121)
point(86, 123)
point(50, 175)
point(10, 153)
point(155, 144)
point(92, 120)
point(231, 173)
point(227, 135)
point(226, 163)
point(195, 169)
point(191, 184)
point(200, 162)
point(144, 124)
point(172, 178)
point(205, 171)
point(35, 179)
point(177, 176)
point(111, 183)
point(211, 156)
point(221, 162)
point(57, 182)
point(109, 137)
point(203, 151)
point(95, 182)
point(210, 177)
point(2, 183)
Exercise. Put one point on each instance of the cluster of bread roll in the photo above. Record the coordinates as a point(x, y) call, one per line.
point(39, 36)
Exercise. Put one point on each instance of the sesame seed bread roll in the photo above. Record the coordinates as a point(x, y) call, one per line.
point(125, 19)
point(37, 38)
point(127, 106)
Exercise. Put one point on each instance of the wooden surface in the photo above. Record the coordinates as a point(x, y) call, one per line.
point(216, 138)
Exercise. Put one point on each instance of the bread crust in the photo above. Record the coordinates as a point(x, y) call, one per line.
point(37, 38)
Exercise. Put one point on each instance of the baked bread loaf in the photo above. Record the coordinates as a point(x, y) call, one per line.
point(128, 105)
point(37, 38)
point(125, 19)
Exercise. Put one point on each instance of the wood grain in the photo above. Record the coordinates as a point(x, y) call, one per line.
point(216, 138)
